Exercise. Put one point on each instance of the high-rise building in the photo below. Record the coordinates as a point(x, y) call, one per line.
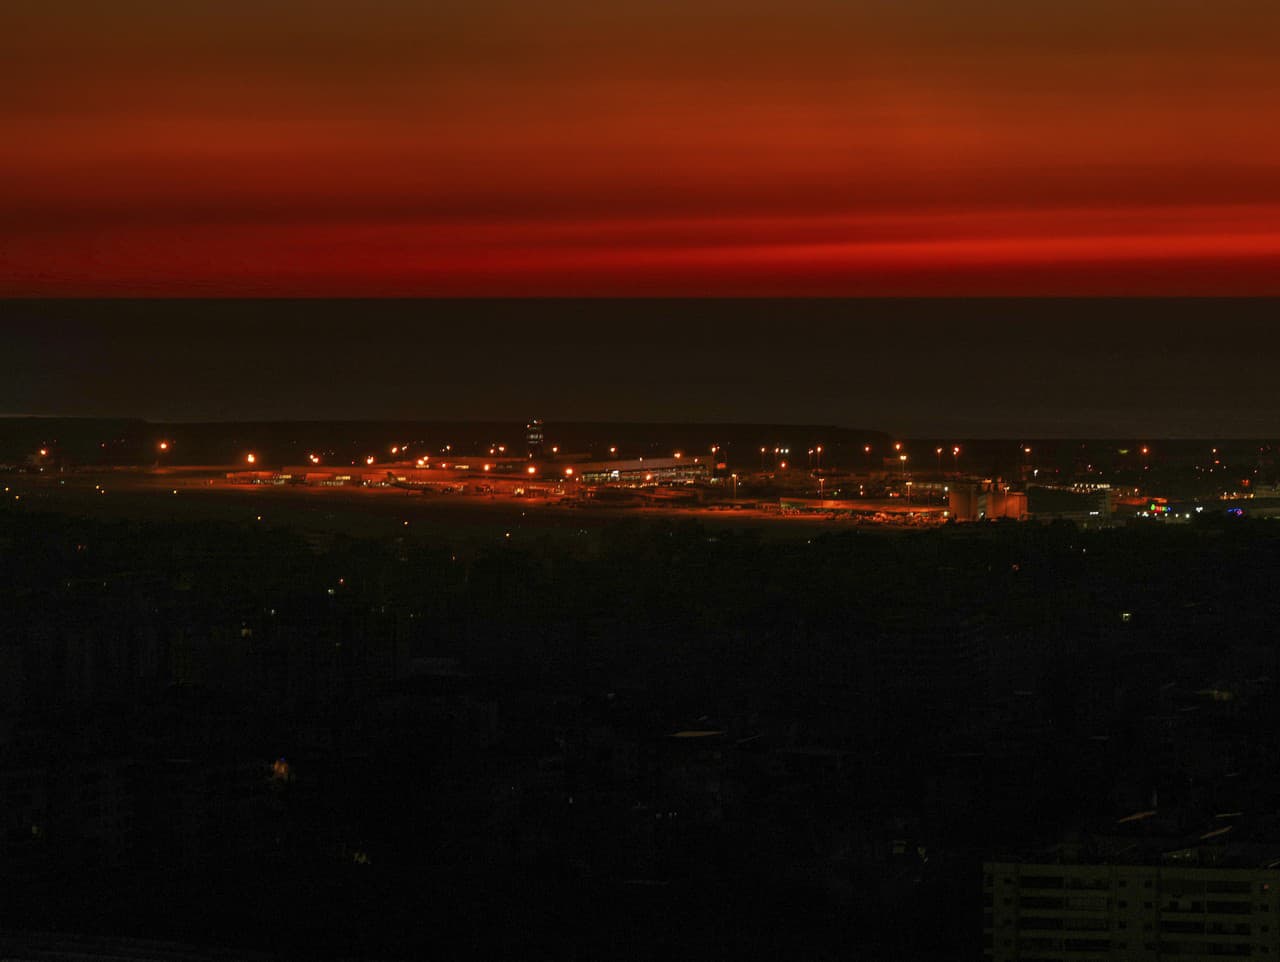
point(1194, 903)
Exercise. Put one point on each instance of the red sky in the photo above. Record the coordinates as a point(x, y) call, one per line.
point(566, 147)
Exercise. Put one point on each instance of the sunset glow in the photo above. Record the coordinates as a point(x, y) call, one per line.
point(707, 148)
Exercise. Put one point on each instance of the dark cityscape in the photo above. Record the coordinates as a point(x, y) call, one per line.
point(501, 480)
point(548, 690)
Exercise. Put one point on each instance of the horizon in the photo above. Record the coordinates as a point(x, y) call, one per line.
point(991, 368)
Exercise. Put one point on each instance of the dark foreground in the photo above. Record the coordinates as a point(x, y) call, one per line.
point(649, 739)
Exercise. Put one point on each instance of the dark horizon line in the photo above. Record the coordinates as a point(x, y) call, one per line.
point(267, 422)
point(606, 298)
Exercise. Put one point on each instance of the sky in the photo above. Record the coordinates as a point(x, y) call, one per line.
point(930, 367)
point(699, 148)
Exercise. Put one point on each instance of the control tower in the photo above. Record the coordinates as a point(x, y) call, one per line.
point(534, 437)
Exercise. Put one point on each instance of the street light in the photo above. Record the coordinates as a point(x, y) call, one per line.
point(819, 450)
